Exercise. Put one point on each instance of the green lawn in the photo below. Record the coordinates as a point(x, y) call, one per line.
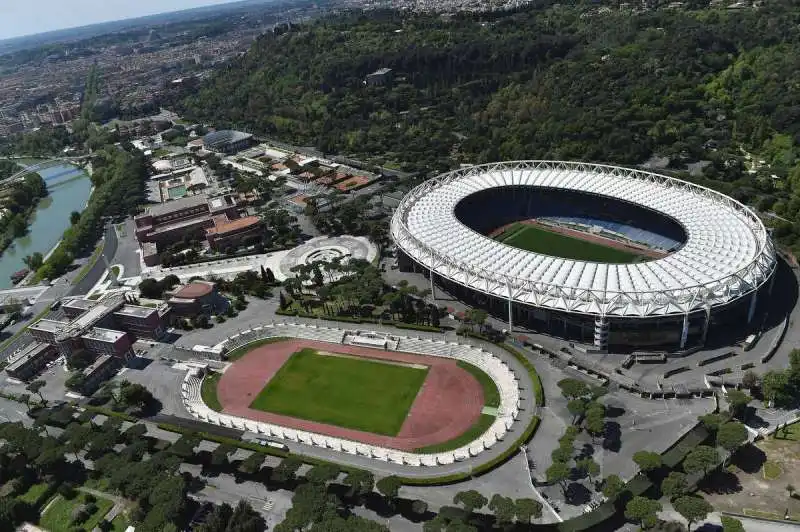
point(58, 516)
point(352, 393)
point(771, 470)
point(239, 352)
point(208, 391)
point(792, 432)
point(34, 493)
point(120, 523)
point(474, 432)
point(538, 240)
point(491, 396)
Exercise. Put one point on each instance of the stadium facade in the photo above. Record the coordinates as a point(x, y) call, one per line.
point(708, 258)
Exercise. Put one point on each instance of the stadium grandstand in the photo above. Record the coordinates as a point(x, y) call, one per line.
point(618, 258)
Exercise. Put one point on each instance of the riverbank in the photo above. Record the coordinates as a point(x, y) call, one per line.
point(68, 189)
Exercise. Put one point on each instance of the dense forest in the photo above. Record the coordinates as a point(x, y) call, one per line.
point(569, 82)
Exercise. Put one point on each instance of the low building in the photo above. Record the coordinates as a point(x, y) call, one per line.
point(380, 77)
point(232, 233)
point(46, 330)
point(198, 297)
point(142, 322)
point(102, 341)
point(31, 360)
point(75, 307)
point(101, 370)
point(215, 219)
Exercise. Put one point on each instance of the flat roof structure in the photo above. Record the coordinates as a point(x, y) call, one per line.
point(101, 361)
point(187, 202)
point(29, 352)
point(727, 253)
point(46, 325)
point(136, 310)
point(104, 335)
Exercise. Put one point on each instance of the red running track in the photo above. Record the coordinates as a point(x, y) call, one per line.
point(448, 404)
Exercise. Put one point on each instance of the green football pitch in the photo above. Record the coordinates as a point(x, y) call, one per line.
point(353, 393)
point(533, 238)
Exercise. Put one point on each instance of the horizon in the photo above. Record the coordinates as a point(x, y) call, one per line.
point(28, 20)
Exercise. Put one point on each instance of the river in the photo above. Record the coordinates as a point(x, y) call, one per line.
point(69, 188)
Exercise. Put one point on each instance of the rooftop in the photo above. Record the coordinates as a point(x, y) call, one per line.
point(104, 335)
point(187, 202)
point(222, 227)
point(28, 352)
point(80, 303)
point(195, 290)
point(136, 310)
point(97, 364)
point(225, 136)
point(49, 325)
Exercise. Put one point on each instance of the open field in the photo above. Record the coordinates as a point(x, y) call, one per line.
point(347, 392)
point(34, 493)
point(534, 238)
point(756, 480)
point(438, 403)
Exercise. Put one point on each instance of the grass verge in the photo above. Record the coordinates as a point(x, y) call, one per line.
point(208, 391)
point(89, 265)
point(34, 493)
point(491, 396)
point(353, 393)
point(472, 434)
point(239, 352)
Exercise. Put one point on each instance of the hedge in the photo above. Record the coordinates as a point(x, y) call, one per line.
point(538, 390)
point(481, 469)
point(110, 413)
point(223, 440)
point(359, 321)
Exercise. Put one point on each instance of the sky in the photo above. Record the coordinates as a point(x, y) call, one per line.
point(26, 17)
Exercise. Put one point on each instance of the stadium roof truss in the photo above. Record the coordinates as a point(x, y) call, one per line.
point(727, 255)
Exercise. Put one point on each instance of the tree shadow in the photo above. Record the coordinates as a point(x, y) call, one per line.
point(139, 363)
point(612, 438)
point(749, 459)
point(586, 451)
point(614, 411)
point(578, 494)
point(720, 481)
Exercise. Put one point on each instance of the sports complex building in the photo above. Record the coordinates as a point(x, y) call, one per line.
point(619, 258)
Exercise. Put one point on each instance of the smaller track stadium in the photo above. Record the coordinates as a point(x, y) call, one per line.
point(619, 258)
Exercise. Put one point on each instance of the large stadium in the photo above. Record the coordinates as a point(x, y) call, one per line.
point(619, 258)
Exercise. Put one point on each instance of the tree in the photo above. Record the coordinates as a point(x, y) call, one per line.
point(774, 386)
point(729, 524)
point(731, 435)
point(558, 472)
point(527, 509)
point(219, 457)
point(647, 460)
point(643, 511)
point(36, 387)
point(713, 421)
point(135, 395)
point(577, 407)
point(361, 482)
point(738, 401)
point(252, 464)
point(790, 490)
point(74, 217)
point(471, 500)
point(675, 485)
point(693, 509)
point(419, 507)
point(389, 487)
point(613, 486)
point(573, 388)
point(701, 459)
point(322, 473)
point(503, 509)
point(750, 379)
point(588, 467)
point(286, 470)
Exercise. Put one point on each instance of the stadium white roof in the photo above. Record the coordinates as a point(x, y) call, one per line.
point(727, 254)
